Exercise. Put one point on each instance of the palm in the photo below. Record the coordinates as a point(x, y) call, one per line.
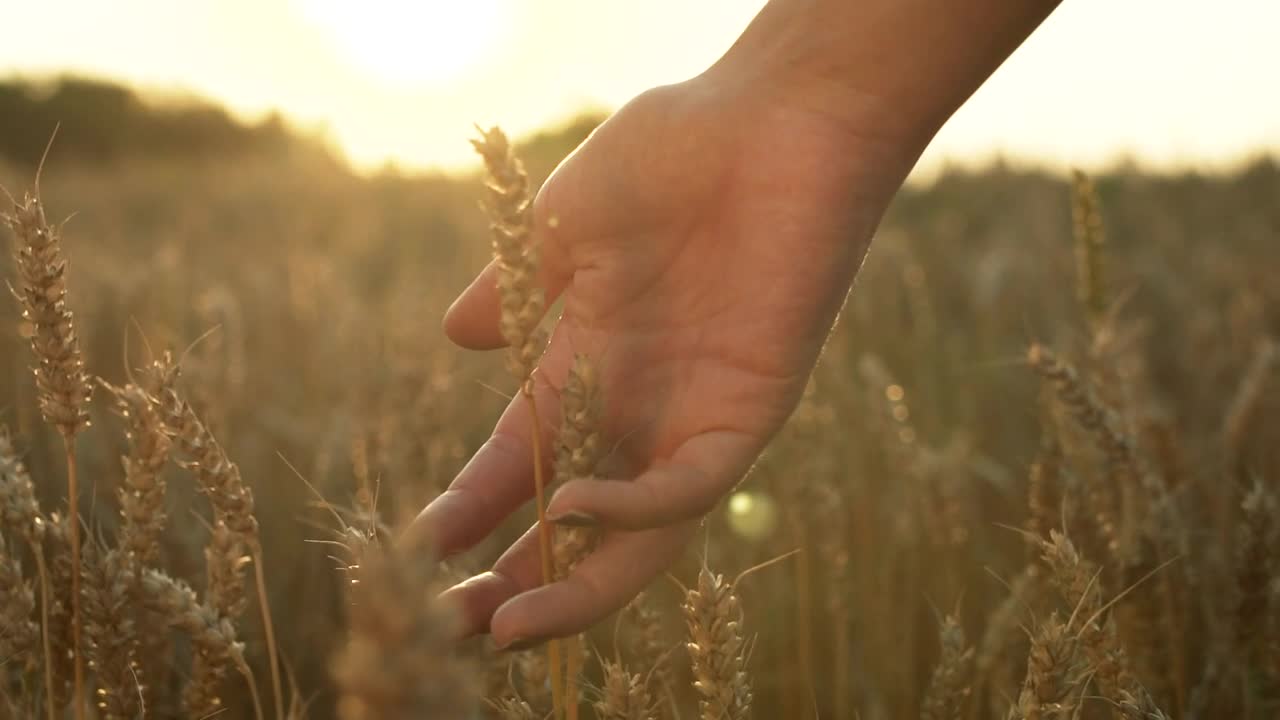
point(702, 263)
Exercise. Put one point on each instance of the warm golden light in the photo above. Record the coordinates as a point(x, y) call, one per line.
point(409, 43)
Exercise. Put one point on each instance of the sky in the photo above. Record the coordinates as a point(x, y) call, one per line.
point(1171, 83)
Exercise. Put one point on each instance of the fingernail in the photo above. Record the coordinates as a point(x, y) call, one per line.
point(575, 518)
point(518, 644)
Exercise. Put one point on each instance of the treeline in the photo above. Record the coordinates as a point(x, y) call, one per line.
point(103, 122)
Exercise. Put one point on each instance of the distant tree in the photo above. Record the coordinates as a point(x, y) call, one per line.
point(103, 122)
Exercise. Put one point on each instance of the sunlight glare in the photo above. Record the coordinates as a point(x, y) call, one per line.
point(409, 43)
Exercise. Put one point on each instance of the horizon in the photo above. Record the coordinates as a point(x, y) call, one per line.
point(401, 84)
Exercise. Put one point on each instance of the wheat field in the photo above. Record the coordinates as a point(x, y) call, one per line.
point(1034, 474)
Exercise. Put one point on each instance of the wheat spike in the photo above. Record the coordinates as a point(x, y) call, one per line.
point(1077, 581)
point(1100, 423)
point(397, 662)
point(62, 383)
point(511, 227)
point(1052, 675)
point(578, 451)
point(19, 634)
point(949, 688)
point(624, 696)
point(717, 648)
point(1090, 243)
point(213, 639)
point(1254, 568)
point(110, 632)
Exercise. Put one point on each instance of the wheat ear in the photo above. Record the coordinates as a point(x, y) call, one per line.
point(516, 255)
point(63, 385)
point(1051, 674)
point(717, 648)
point(20, 515)
point(1076, 396)
point(397, 662)
point(950, 686)
point(1090, 243)
point(578, 450)
point(235, 529)
point(213, 640)
point(624, 695)
point(110, 631)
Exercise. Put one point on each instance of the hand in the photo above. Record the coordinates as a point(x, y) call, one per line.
point(705, 239)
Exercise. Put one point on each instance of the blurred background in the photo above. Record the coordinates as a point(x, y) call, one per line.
point(1167, 83)
point(283, 190)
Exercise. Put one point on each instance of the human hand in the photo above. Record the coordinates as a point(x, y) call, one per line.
point(705, 238)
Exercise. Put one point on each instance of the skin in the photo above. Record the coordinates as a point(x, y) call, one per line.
point(705, 237)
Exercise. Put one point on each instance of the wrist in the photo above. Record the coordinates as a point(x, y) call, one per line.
point(891, 69)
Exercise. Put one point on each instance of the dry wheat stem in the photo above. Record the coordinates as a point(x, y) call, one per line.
point(77, 619)
point(545, 552)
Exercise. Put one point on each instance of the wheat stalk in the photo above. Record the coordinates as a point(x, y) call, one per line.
point(63, 385)
point(523, 302)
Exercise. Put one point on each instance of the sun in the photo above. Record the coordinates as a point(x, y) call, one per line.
point(408, 43)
